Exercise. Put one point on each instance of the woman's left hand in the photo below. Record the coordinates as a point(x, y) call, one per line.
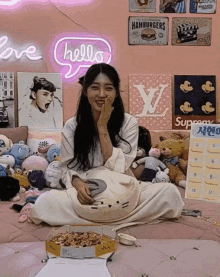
point(105, 113)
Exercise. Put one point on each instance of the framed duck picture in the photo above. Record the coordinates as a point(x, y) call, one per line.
point(194, 100)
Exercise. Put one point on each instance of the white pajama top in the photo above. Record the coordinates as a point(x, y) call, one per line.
point(122, 156)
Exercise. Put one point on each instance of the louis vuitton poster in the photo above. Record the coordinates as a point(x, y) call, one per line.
point(142, 6)
point(194, 100)
point(194, 31)
point(203, 173)
point(150, 100)
point(202, 6)
point(148, 30)
point(172, 6)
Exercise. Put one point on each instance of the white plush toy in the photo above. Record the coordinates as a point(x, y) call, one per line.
point(161, 176)
point(7, 159)
point(5, 144)
point(53, 175)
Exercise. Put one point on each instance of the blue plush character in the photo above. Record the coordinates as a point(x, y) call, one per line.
point(20, 152)
point(3, 171)
point(53, 152)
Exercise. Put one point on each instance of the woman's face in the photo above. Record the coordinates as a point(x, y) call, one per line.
point(99, 90)
point(43, 99)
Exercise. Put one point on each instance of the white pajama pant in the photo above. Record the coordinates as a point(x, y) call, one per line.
point(156, 200)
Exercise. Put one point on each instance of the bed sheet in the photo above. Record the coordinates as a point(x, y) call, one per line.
point(185, 227)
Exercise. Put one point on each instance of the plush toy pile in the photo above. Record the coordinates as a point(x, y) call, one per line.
point(20, 171)
point(165, 164)
point(152, 167)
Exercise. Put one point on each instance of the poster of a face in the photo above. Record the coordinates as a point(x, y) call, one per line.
point(40, 100)
point(7, 119)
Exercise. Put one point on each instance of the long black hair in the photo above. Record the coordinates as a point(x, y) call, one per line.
point(86, 135)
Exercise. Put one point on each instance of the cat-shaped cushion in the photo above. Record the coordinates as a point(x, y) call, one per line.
point(118, 199)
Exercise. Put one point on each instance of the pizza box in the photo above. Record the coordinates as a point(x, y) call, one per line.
point(103, 250)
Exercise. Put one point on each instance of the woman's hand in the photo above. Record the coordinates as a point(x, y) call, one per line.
point(105, 113)
point(83, 192)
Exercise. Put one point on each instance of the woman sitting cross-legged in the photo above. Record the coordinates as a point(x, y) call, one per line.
point(98, 147)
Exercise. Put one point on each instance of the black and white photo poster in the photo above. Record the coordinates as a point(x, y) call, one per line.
point(40, 100)
point(7, 118)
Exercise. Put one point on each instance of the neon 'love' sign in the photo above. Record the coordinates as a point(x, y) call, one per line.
point(8, 52)
point(9, 3)
point(76, 53)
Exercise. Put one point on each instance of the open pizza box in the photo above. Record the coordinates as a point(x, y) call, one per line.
point(103, 250)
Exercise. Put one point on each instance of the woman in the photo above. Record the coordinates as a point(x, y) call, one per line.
point(44, 109)
point(102, 136)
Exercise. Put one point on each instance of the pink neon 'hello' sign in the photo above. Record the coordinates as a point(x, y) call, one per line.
point(76, 53)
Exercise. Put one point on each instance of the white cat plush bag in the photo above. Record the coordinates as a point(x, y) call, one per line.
point(115, 195)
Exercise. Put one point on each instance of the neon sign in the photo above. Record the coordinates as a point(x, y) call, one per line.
point(12, 4)
point(9, 3)
point(29, 52)
point(76, 53)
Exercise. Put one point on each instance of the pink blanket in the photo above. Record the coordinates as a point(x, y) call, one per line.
point(184, 227)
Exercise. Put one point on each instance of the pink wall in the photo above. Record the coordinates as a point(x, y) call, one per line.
point(41, 24)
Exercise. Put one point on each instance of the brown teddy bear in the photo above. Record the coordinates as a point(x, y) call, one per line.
point(171, 150)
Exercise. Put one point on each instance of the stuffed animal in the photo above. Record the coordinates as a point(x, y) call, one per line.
point(20, 152)
point(144, 142)
point(171, 150)
point(7, 159)
point(21, 176)
point(6, 170)
point(53, 175)
point(9, 189)
point(119, 196)
point(53, 152)
point(5, 144)
point(144, 146)
point(36, 179)
point(151, 165)
point(161, 176)
point(44, 146)
point(35, 163)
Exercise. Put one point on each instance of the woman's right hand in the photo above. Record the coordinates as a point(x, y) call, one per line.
point(83, 192)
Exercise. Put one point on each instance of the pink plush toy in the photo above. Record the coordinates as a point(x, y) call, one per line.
point(35, 163)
